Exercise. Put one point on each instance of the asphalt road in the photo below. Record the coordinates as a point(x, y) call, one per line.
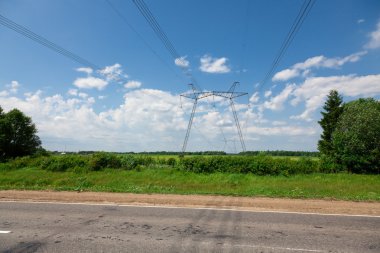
point(53, 227)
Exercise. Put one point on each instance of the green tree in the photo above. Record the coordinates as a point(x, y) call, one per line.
point(17, 135)
point(356, 139)
point(333, 108)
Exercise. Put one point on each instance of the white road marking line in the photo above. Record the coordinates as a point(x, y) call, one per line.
point(266, 247)
point(278, 248)
point(187, 207)
point(4, 232)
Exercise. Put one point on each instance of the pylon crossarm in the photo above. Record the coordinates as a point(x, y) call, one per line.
point(191, 96)
point(196, 95)
point(228, 94)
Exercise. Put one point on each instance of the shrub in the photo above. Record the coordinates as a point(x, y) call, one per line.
point(103, 160)
point(258, 165)
point(171, 161)
point(128, 162)
point(64, 162)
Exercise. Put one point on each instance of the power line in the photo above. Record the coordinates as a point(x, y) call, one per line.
point(53, 46)
point(152, 22)
point(45, 42)
point(143, 8)
point(302, 14)
point(125, 20)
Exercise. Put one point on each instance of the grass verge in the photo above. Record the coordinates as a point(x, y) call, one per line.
point(340, 186)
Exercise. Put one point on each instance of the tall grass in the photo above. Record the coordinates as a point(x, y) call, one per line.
point(158, 179)
point(259, 165)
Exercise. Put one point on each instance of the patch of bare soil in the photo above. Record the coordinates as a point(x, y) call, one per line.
point(228, 202)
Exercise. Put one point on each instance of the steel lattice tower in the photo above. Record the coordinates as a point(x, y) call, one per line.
point(197, 95)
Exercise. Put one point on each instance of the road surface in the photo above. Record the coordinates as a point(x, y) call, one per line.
point(60, 227)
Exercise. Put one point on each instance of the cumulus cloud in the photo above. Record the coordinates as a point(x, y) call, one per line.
point(182, 62)
point(132, 84)
point(254, 98)
point(101, 78)
point(73, 92)
point(13, 87)
point(4, 93)
point(282, 130)
point(113, 72)
point(278, 123)
point(315, 62)
point(145, 118)
point(276, 103)
point(267, 93)
point(85, 70)
point(374, 38)
point(90, 83)
point(313, 91)
point(286, 74)
point(214, 65)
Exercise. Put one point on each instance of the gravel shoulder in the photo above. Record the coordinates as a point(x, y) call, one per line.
point(198, 201)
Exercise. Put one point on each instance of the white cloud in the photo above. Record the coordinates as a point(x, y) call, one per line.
point(85, 70)
point(315, 62)
point(374, 36)
point(282, 130)
point(4, 93)
point(132, 84)
point(73, 92)
point(90, 82)
point(13, 87)
point(214, 65)
point(277, 103)
point(267, 93)
point(182, 62)
point(278, 123)
point(254, 98)
point(285, 74)
point(359, 21)
point(314, 90)
point(147, 120)
point(82, 95)
point(113, 72)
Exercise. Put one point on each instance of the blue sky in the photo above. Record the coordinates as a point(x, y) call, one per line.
point(133, 104)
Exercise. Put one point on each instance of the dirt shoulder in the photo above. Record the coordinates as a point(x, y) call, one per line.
point(228, 202)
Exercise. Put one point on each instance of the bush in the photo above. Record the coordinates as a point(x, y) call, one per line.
point(258, 165)
point(103, 160)
point(64, 162)
point(128, 162)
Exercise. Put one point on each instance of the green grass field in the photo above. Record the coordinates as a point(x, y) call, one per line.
point(341, 186)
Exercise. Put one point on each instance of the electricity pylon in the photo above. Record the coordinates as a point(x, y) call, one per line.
point(197, 95)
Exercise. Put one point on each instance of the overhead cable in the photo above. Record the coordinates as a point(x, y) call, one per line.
point(152, 22)
point(125, 20)
point(45, 42)
point(302, 14)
